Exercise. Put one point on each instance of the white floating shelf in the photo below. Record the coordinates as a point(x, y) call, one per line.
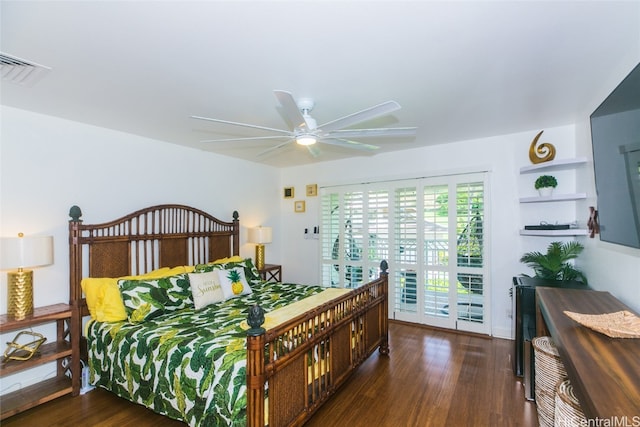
point(554, 198)
point(554, 165)
point(567, 232)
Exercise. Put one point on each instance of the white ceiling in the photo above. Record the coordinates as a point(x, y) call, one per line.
point(460, 70)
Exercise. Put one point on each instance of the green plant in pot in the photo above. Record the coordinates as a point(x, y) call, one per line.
point(555, 265)
point(545, 184)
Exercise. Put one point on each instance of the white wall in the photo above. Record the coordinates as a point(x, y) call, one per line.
point(48, 164)
point(501, 155)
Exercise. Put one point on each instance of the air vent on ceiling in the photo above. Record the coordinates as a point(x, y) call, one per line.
point(20, 71)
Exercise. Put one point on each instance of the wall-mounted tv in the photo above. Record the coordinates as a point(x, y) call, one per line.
point(615, 134)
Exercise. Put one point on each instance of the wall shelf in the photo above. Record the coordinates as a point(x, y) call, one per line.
point(554, 165)
point(567, 232)
point(554, 198)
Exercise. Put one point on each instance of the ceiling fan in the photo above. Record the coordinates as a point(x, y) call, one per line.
point(305, 131)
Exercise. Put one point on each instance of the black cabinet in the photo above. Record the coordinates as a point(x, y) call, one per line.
point(525, 319)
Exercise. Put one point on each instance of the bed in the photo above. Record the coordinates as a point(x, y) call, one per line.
point(270, 354)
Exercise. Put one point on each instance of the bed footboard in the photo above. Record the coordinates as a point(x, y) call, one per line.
point(303, 361)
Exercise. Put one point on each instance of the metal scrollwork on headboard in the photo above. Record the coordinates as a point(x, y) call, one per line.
point(544, 152)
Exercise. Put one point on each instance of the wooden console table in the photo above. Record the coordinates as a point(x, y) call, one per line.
point(605, 372)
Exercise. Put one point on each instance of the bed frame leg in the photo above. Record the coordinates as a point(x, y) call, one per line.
point(384, 318)
point(255, 368)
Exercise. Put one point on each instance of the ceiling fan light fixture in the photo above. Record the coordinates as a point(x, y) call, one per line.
point(306, 139)
point(304, 130)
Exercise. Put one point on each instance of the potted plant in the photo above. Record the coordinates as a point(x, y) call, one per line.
point(545, 184)
point(555, 265)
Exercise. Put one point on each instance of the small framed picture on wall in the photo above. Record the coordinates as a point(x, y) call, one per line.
point(288, 192)
point(312, 190)
point(299, 206)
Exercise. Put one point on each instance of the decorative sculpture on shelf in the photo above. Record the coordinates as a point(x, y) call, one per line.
point(18, 351)
point(544, 152)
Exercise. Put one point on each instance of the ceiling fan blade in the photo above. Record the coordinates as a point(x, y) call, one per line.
point(350, 144)
point(248, 138)
point(361, 116)
point(372, 133)
point(275, 147)
point(290, 108)
point(313, 150)
point(227, 122)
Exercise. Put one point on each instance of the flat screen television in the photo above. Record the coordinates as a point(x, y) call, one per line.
point(615, 136)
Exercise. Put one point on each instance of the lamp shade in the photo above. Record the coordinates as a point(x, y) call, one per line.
point(25, 252)
point(260, 235)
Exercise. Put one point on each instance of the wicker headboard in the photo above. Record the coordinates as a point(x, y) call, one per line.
point(145, 240)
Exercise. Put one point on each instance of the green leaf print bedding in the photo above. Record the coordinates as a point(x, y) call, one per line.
point(188, 365)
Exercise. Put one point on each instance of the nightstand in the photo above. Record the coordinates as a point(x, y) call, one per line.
point(271, 272)
point(57, 350)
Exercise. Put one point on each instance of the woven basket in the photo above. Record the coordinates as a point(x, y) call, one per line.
point(568, 412)
point(621, 324)
point(549, 371)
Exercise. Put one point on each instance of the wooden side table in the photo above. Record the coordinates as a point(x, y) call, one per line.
point(57, 350)
point(271, 272)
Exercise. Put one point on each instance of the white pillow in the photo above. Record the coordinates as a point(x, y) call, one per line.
point(233, 288)
point(205, 288)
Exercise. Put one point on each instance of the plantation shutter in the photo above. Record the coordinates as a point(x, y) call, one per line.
point(431, 231)
point(354, 236)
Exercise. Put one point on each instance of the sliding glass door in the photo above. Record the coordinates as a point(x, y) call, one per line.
point(432, 232)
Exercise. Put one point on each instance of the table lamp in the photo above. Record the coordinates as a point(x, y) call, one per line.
point(23, 252)
point(260, 236)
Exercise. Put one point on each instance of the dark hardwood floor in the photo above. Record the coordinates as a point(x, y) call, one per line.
point(431, 378)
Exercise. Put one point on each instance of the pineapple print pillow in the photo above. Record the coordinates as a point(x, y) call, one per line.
point(233, 282)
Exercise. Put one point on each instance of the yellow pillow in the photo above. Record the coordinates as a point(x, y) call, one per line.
point(235, 258)
point(103, 295)
point(94, 290)
point(171, 272)
point(110, 307)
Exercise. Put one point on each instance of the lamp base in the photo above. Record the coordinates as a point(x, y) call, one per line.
point(20, 294)
point(259, 256)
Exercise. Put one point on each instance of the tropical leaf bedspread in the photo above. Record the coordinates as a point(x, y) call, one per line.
point(188, 365)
